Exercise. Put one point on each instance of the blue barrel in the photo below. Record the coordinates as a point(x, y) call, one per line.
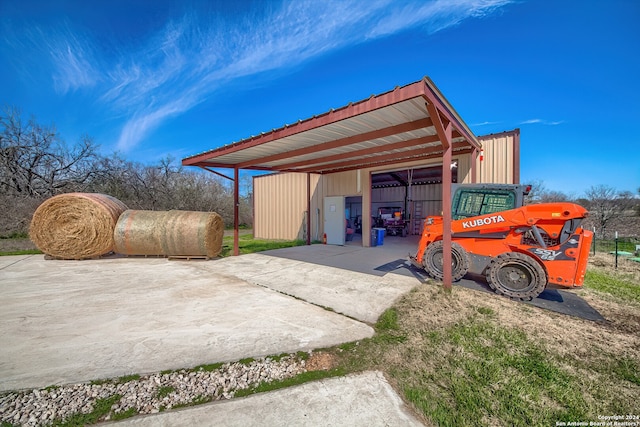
point(379, 236)
point(374, 237)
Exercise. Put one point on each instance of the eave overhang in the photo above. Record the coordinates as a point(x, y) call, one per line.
point(393, 127)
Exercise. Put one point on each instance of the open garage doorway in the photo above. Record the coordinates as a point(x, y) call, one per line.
point(353, 212)
point(402, 199)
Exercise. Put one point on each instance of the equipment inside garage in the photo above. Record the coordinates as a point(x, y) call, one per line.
point(401, 199)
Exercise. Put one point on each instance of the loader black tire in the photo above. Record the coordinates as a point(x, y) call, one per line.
point(432, 261)
point(516, 275)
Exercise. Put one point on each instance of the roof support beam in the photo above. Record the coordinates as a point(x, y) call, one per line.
point(444, 129)
point(355, 139)
point(422, 157)
point(399, 179)
point(408, 155)
point(364, 152)
point(216, 172)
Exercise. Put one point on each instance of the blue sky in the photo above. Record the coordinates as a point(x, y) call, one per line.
point(155, 78)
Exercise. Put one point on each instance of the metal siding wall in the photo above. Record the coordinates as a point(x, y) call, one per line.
point(341, 184)
point(389, 196)
point(280, 202)
point(464, 169)
point(498, 165)
point(280, 199)
point(430, 196)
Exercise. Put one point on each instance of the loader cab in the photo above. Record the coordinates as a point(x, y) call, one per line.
point(471, 200)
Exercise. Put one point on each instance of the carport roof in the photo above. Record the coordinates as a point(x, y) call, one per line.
point(385, 129)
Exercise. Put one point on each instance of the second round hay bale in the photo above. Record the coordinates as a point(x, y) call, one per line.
point(169, 233)
point(76, 225)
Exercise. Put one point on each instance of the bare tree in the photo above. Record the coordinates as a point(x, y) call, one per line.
point(541, 194)
point(166, 186)
point(604, 204)
point(35, 162)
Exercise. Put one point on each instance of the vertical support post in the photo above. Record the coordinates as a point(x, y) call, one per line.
point(446, 210)
point(308, 208)
point(236, 219)
point(444, 131)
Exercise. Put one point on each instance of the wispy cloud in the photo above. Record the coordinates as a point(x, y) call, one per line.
point(70, 53)
point(485, 123)
point(73, 60)
point(434, 15)
point(542, 122)
point(175, 69)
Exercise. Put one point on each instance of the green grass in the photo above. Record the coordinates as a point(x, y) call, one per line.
point(209, 368)
point(478, 371)
point(24, 252)
point(100, 409)
point(626, 369)
point(388, 321)
point(117, 416)
point(16, 235)
point(247, 244)
point(288, 382)
point(493, 371)
point(164, 391)
point(127, 378)
point(617, 285)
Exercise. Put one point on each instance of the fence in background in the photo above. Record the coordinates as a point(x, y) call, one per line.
point(621, 249)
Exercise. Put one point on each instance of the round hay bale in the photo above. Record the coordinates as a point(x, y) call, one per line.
point(76, 225)
point(169, 233)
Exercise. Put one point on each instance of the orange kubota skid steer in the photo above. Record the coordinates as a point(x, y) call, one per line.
point(519, 249)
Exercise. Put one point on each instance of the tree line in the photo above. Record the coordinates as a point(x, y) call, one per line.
point(605, 204)
point(36, 163)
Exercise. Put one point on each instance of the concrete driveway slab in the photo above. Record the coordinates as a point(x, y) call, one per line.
point(364, 400)
point(355, 294)
point(6, 261)
point(74, 321)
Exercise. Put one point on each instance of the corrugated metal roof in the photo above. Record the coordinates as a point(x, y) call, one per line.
point(391, 127)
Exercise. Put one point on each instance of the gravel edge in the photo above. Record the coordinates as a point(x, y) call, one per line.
point(146, 394)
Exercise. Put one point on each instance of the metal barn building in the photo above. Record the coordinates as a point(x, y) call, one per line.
point(391, 149)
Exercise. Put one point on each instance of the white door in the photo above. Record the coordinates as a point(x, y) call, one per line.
point(334, 220)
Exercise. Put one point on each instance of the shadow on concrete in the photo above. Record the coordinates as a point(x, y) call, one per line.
point(392, 258)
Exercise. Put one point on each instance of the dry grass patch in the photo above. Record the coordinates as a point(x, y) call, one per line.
point(473, 358)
